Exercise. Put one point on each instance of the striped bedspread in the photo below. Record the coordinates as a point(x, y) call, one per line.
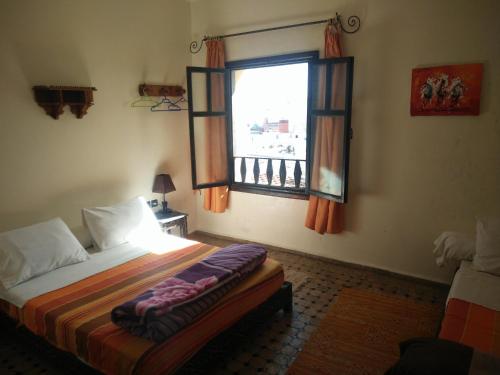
point(472, 325)
point(77, 318)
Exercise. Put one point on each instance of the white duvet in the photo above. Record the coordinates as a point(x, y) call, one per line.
point(98, 262)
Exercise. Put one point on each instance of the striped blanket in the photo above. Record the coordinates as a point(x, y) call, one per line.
point(169, 306)
point(77, 318)
point(472, 325)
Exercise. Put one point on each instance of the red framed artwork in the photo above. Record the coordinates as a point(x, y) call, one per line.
point(449, 90)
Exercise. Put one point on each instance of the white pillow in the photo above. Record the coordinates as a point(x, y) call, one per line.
point(132, 221)
point(31, 251)
point(453, 246)
point(487, 258)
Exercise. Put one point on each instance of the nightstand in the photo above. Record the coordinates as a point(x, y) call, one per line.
point(171, 220)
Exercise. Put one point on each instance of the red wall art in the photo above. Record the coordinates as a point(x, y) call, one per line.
point(449, 90)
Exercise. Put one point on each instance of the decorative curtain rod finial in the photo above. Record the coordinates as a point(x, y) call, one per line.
point(353, 21)
point(195, 47)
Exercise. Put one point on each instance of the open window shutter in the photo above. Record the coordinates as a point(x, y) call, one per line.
point(207, 126)
point(330, 127)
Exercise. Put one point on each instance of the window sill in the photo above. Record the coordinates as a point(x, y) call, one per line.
point(266, 190)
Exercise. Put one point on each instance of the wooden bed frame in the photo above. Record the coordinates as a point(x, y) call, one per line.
point(282, 299)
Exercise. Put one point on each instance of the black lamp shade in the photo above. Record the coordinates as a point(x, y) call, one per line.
point(163, 184)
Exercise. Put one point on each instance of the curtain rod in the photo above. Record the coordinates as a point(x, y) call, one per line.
point(353, 22)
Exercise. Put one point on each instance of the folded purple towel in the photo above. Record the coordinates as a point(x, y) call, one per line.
point(172, 304)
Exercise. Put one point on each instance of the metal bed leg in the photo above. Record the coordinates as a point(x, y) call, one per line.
point(287, 297)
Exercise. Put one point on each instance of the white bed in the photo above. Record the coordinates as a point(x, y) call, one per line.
point(476, 287)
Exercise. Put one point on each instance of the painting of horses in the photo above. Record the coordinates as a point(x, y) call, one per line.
point(449, 90)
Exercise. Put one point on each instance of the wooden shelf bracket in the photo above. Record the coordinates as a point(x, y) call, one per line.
point(53, 99)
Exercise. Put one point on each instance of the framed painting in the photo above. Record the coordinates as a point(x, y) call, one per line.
point(449, 90)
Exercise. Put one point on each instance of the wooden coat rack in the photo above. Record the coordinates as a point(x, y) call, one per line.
point(161, 90)
point(167, 92)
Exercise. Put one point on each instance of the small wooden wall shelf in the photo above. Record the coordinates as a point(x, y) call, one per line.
point(160, 90)
point(53, 98)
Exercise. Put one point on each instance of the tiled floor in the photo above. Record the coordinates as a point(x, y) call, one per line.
point(259, 344)
point(273, 345)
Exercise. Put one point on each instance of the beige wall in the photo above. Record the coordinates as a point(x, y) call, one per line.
point(53, 168)
point(411, 177)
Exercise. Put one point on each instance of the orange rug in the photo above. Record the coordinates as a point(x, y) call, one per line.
point(360, 334)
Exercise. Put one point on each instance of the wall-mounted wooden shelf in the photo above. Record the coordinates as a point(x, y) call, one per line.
point(160, 90)
point(53, 98)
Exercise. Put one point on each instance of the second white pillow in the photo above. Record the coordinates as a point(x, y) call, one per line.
point(487, 258)
point(131, 221)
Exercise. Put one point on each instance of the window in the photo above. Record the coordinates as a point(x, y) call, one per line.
point(276, 125)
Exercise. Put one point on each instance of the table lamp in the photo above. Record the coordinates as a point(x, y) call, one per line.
point(163, 184)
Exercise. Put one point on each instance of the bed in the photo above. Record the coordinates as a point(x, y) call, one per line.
point(469, 338)
point(70, 306)
point(472, 314)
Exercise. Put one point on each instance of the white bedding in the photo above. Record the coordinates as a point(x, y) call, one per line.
point(477, 287)
point(98, 262)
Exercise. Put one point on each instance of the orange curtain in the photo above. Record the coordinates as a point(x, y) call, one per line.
point(324, 215)
point(216, 198)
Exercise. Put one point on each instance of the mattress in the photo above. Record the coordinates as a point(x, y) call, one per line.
point(473, 325)
point(472, 314)
point(76, 317)
point(477, 287)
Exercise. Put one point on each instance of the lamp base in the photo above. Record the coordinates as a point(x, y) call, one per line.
point(164, 205)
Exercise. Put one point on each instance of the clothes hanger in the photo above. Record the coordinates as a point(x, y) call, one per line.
point(144, 101)
point(172, 105)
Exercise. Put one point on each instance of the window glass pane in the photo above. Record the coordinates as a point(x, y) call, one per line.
point(210, 149)
point(269, 119)
point(328, 154)
point(319, 88)
point(217, 81)
point(338, 78)
point(199, 91)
